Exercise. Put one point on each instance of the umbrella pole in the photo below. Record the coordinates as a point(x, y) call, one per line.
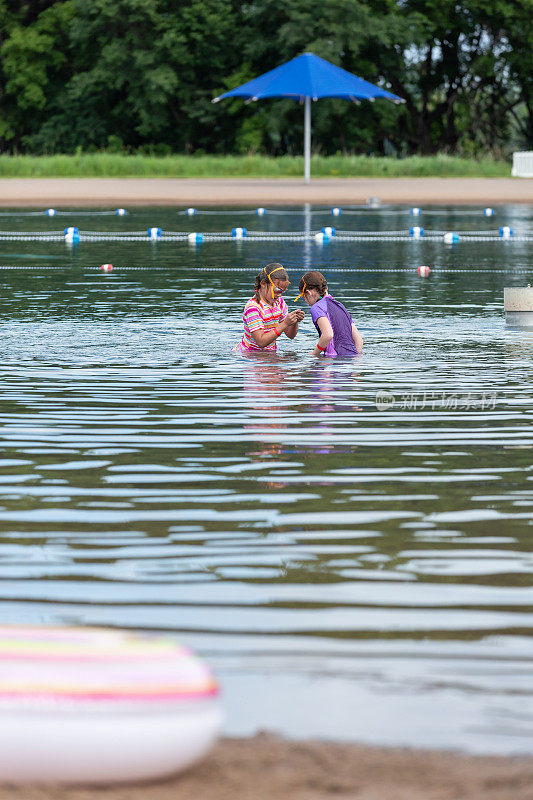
point(307, 140)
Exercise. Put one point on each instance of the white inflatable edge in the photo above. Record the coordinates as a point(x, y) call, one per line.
point(102, 747)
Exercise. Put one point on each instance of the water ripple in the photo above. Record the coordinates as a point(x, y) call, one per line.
point(314, 547)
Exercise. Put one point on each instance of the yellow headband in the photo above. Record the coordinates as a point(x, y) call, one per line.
point(270, 279)
point(301, 293)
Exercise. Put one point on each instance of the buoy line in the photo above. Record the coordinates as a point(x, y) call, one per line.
point(375, 207)
point(328, 234)
point(253, 269)
point(52, 212)
point(372, 206)
point(370, 270)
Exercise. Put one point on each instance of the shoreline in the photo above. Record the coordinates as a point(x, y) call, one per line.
point(94, 192)
point(267, 767)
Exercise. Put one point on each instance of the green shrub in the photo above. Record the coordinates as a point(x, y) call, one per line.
point(158, 163)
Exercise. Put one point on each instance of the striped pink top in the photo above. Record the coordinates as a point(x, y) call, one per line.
point(260, 315)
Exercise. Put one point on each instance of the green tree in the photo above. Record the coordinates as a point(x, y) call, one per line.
point(456, 72)
point(145, 72)
point(131, 74)
point(349, 33)
point(35, 65)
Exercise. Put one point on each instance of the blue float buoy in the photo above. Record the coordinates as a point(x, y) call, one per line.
point(506, 232)
point(72, 235)
point(154, 233)
point(415, 212)
point(195, 238)
point(329, 231)
point(336, 211)
point(416, 232)
point(121, 212)
point(238, 233)
point(488, 212)
point(260, 212)
point(451, 238)
point(191, 212)
point(321, 237)
point(50, 212)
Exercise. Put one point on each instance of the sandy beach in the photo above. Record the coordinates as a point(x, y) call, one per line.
point(268, 768)
point(179, 192)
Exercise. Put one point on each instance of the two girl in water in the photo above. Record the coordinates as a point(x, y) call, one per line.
point(266, 315)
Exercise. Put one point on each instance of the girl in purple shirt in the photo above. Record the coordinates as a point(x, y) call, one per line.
point(336, 329)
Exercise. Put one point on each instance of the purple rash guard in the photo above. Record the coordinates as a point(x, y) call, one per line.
point(340, 320)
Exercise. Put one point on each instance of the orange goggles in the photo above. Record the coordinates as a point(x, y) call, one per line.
point(301, 293)
point(271, 281)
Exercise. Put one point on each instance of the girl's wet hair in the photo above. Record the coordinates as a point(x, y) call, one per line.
point(313, 280)
point(280, 274)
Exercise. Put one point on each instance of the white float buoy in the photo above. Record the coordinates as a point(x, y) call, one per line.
point(518, 305)
point(336, 211)
point(86, 705)
point(373, 202)
point(106, 267)
point(506, 232)
point(451, 238)
point(415, 212)
point(50, 212)
point(260, 212)
point(423, 271)
point(416, 232)
point(72, 235)
point(329, 231)
point(195, 238)
point(191, 212)
point(321, 237)
point(238, 233)
point(154, 233)
point(488, 212)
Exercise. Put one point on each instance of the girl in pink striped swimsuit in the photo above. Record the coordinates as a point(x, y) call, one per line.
point(266, 315)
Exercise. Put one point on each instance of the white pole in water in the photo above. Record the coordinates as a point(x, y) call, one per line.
point(307, 139)
point(307, 240)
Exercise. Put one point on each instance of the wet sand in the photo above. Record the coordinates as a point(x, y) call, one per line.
point(57, 192)
point(268, 768)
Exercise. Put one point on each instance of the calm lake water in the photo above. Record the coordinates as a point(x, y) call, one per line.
point(352, 569)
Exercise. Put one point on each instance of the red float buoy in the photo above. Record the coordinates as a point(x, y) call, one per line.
point(423, 271)
point(106, 267)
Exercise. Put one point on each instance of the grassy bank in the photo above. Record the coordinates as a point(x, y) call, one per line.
point(111, 165)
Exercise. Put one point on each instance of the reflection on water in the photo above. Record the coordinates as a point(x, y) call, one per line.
point(350, 572)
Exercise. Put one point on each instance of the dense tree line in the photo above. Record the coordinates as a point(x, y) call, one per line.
point(140, 74)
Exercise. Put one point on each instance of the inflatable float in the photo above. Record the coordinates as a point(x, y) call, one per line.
point(82, 705)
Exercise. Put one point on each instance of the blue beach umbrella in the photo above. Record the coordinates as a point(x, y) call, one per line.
point(305, 78)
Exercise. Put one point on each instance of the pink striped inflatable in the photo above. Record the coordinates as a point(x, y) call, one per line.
point(88, 705)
